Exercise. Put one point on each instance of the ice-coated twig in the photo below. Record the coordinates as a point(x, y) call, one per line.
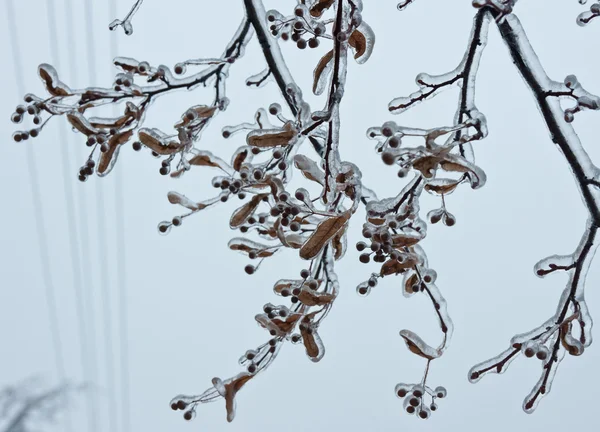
point(552, 339)
point(585, 18)
point(126, 22)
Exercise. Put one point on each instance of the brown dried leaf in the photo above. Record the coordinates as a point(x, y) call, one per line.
point(417, 346)
point(362, 41)
point(427, 165)
point(241, 215)
point(205, 158)
point(266, 138)
point(405, 239)
point(321, 71)
point(376, 221)
point(442, 186)
point(311, 339)
point(309, 169)
point(106, 158)
point(53, 85)
point(339, 245)
point(288, 324)
point(202, 111)
point(79, 122)
point(151, 139)
point(393, 266)
point(325, 231)
point(320, 6)
point(358, 41)
point(239, 159)
point(247, 246)
point(177, 198)
point(312, 298)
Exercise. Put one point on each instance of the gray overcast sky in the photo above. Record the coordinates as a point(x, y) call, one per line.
point(191, 306)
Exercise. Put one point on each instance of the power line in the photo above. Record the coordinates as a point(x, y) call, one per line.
point(87, 354)
point(84, 226)
point(102, 238)
point(121, 267)
point(32, 172)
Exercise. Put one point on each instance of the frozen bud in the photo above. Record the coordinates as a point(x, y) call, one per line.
point(300, 195)
point(164, 227)
point(440, 392)
point(341, 37)
point(418, 391)
point(571, 81)
point(433, 407)
point(529, 348)
point(387, 131)
point(179, 68)
point(17, 136)
point(365, 258)
point(363, 290)
point(361, 246)
point(569, 116)
point(164, 170)
point(188, 415)
point(20, 109)
point(414, 401)
point(403, 172)
point(449, 219)
point(543, 353)
point(34, 133)
point(24, 135)
point(375, 246)
point(177, 220)
point(304, 274)
point(300, 11)
point(402, 389)
point(302, 44)
point(388, 158)
point(296, 338)
point(424, 413)
point(295, 226)
point(250, 269)
point(16, 118)
point(251, 368)
point(372, 282)
point(435, 215)
point(313, 42)
point(274, 109)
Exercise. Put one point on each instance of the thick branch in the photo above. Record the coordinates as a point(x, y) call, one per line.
point(562, 133)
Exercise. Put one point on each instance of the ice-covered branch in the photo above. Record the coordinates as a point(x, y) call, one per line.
point(552, 339)
point(126, 22)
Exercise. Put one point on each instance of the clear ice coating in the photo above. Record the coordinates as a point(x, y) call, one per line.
point(272, 218)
